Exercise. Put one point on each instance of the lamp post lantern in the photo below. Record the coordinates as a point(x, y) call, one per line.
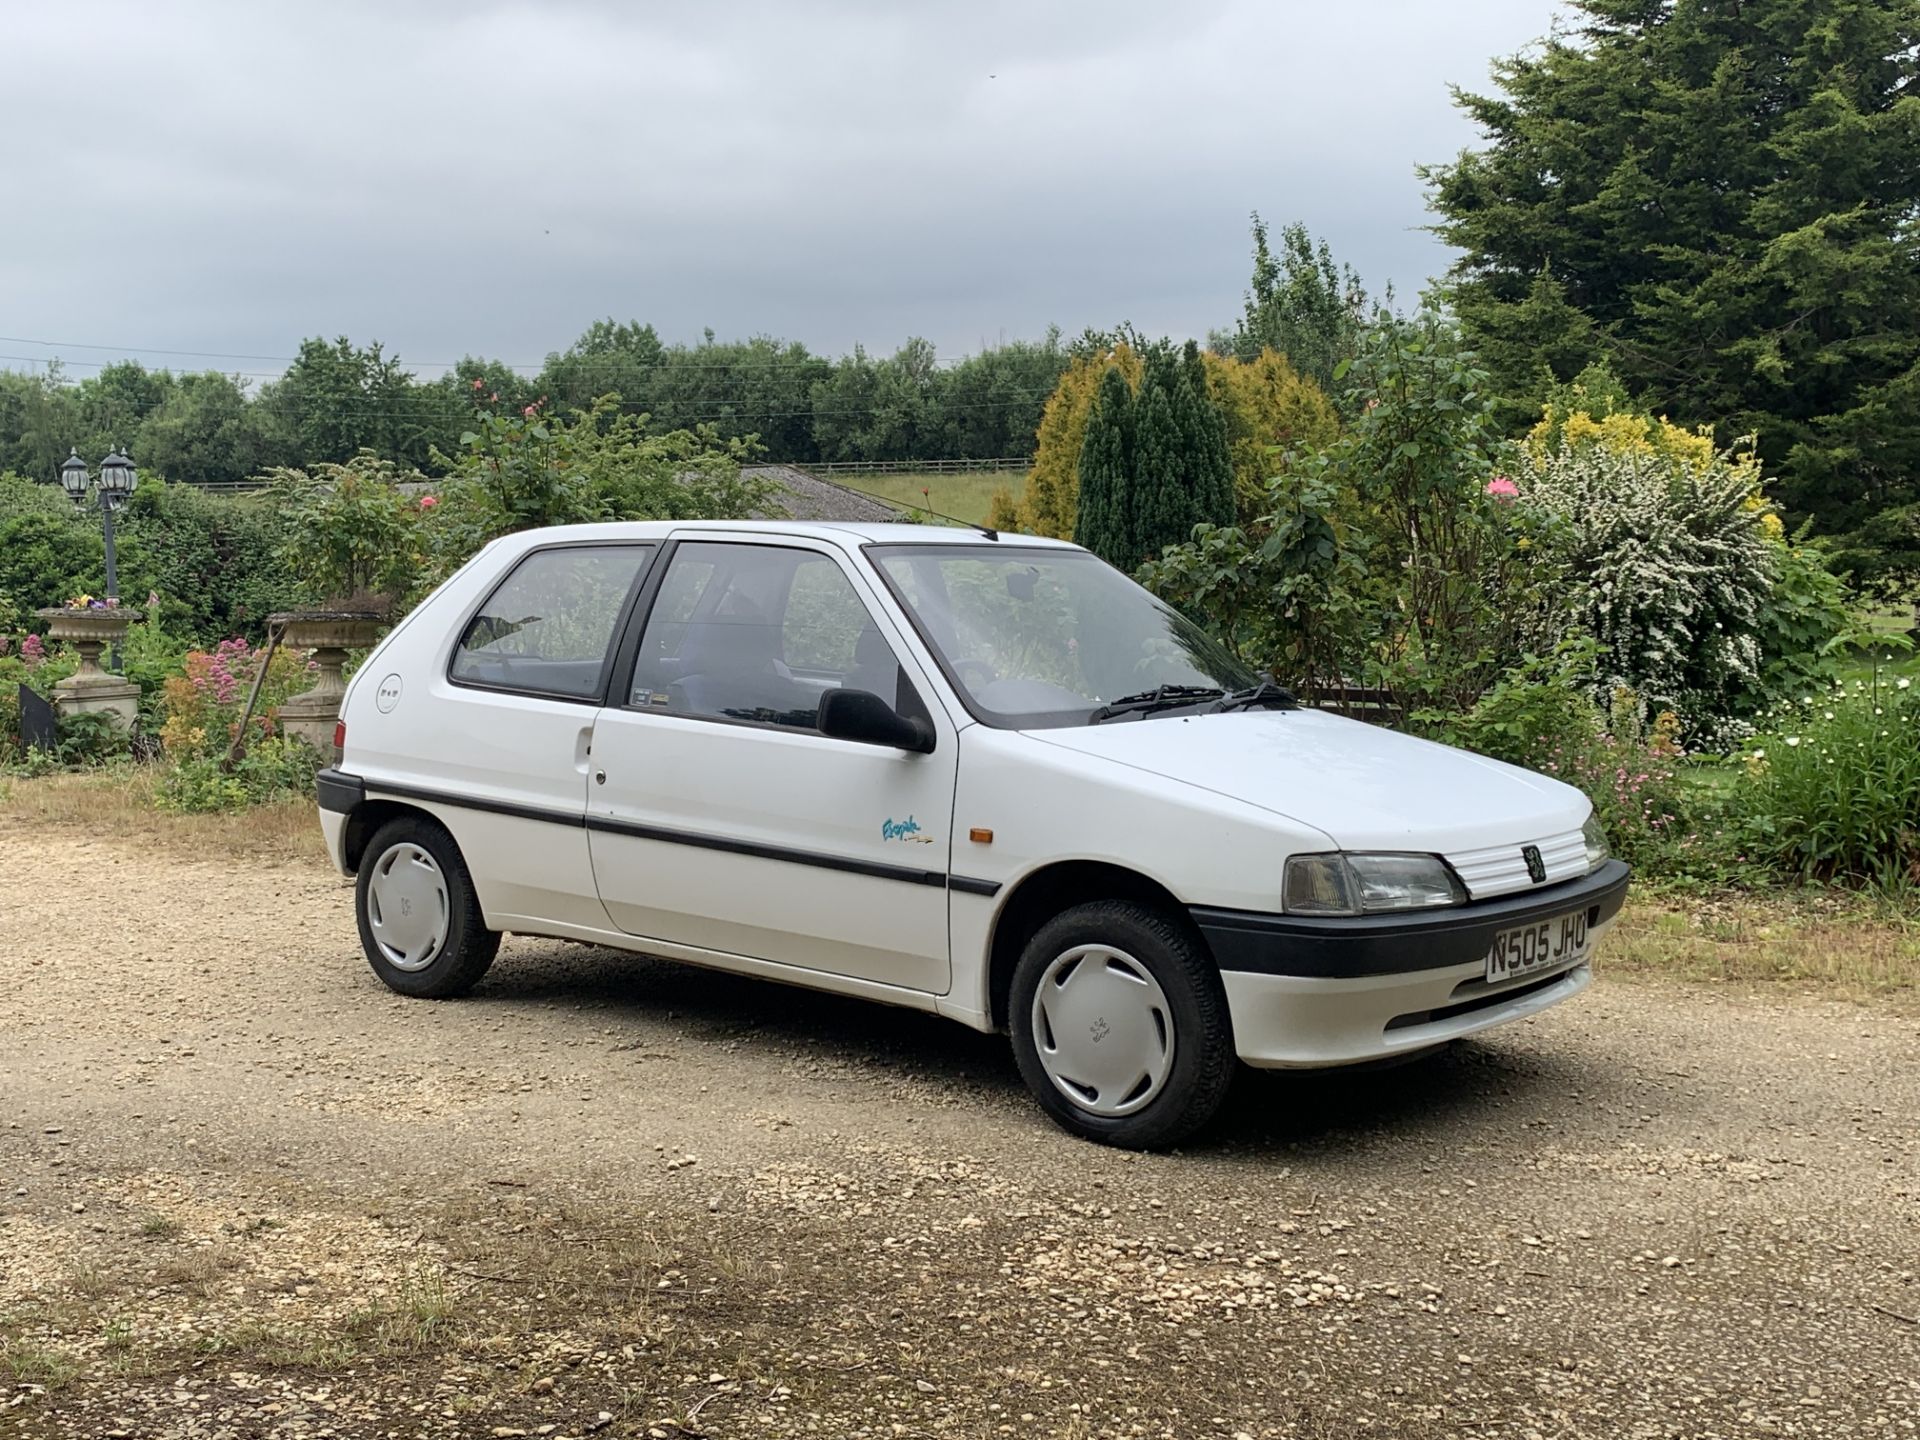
point(114, 484)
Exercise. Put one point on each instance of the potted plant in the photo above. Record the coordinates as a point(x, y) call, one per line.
point(350, 547)
point(90, 625)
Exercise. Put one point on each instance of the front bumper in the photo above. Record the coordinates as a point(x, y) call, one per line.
point(1312, 991)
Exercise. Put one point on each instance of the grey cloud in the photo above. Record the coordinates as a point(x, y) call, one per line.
point(489, 177)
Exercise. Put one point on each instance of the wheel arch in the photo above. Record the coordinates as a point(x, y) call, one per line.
point(364, 822)
point(1039, 896)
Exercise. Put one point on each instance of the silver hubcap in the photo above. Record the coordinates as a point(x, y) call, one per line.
point(407, 907)
point(1104, 1030)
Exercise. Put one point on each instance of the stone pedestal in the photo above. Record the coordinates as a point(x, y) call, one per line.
point(311, 715)
point(91, 690)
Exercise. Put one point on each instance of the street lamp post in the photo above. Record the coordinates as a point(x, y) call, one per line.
point(114, 484)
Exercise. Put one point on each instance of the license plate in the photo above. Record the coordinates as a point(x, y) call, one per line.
point(1563, 940)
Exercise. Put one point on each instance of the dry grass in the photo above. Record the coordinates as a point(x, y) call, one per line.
point(118, 804)
point(1850, 946)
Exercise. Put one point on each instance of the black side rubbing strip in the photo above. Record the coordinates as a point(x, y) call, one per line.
point(765, 852)
point(476, 802)
point(966, 885)
point(342, 785)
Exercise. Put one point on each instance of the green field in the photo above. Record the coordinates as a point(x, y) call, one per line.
point(964, 497)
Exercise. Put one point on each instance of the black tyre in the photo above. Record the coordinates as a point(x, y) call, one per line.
point(1120, 1025)
point(420, 920)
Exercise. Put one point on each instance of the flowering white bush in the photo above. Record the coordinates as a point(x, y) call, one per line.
point(1669, 557)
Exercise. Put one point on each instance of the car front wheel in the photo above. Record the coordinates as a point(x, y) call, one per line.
point(420, 921)
point(1120, 1025)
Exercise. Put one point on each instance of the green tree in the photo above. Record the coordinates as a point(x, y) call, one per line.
point(867, 409)
point(1300, 304)
point(608, 359)
point(1103, 522)
point(339, 399)
point(991, 403)
point(113, 403)
point(1717, 197)
point(39, 422)
point(1182, 472)
point(205, 431)
point(757, 389)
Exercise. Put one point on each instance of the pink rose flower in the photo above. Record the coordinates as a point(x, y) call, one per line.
point(1503, 489)
point(427, 502)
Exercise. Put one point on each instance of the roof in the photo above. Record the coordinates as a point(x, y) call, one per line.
point(841, 533)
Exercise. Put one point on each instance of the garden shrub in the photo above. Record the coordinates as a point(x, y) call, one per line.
point(1290, 602)
point(1542, 715)
point(1049, 501)
point(1670, 557)
point(202, 704)
point(349, 533)
point(1832, 790)
point(516, 471)
point(279, 767)
point(26, 660)
point(210, 559)
point(1271, 409)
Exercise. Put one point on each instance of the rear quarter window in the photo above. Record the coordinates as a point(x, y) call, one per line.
point(548, 627)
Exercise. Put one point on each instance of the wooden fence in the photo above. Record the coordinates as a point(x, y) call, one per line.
point(913, 467)
point(1361, 702)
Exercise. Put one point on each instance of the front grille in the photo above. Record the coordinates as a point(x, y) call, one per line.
point(1502, 869)
point(1484, 1001)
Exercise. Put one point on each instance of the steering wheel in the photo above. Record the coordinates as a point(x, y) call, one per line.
point(977, 674)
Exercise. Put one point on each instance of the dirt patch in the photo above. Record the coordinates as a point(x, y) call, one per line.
point(245, 1191)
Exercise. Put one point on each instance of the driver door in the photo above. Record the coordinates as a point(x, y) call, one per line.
point(722, 821)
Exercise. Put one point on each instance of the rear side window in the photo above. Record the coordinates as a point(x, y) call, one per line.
point(548, 627)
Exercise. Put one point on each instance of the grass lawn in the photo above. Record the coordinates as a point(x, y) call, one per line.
point(964, 497)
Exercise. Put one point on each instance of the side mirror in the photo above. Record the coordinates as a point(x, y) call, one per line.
point(861, 715)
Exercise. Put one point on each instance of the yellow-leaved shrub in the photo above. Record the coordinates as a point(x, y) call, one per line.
point(1269, 407)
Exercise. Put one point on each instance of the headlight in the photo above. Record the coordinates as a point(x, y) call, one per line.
point(1343, 884)
point(1595, 834)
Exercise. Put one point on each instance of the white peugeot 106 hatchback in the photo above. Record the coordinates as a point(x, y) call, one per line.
point(987, 776)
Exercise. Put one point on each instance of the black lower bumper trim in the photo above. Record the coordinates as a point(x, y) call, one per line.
point(1337, 946)
point(338, 791)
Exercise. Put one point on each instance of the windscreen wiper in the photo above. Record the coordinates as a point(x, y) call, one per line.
point(1147, 701)
point(1277, 697)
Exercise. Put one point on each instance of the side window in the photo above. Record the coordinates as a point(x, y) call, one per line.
point(549, 625)
point(821, 630)
point(755, 633)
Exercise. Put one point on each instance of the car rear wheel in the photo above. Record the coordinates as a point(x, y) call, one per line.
point(420, 921)
point(1120, 1025)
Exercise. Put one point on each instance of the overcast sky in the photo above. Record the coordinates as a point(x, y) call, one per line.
point(488, 177)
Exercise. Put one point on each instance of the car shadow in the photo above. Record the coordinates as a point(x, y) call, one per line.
point(1479, 1085)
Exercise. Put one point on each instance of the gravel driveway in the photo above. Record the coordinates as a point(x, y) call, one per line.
point(244, 1191)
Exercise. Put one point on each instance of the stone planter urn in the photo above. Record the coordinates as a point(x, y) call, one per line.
point(330, 634)
point(91, 689)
